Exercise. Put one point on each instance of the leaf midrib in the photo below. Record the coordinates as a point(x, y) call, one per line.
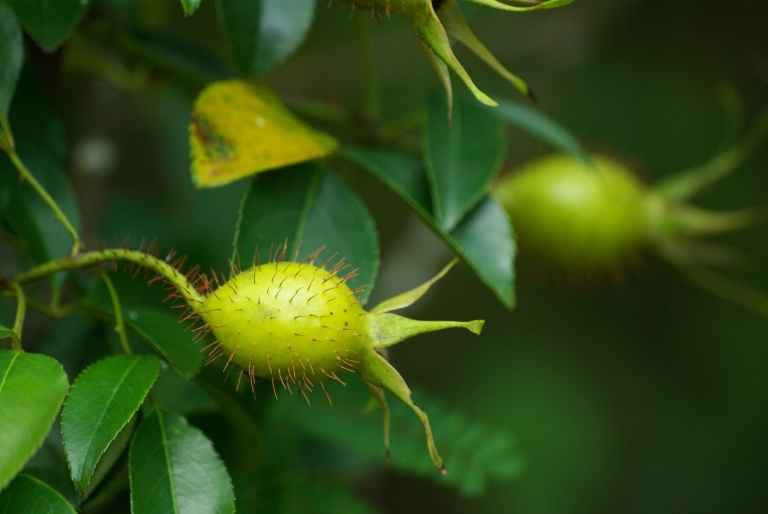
point(8, 371)
point(171, 483)
point(103, 414)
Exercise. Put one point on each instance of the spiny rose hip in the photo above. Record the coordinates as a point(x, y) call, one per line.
point(298, 325)
point(293, 323)
point(437, 21)
point(288, 319)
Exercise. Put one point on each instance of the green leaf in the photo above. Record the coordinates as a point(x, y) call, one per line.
point(32, 387)
point(11, 55)
point(159, 327)
point(486, 241)
point(169, 337)
point(463, 154)
point(475, 453)
point(190, 6)
point(49, 22)
point(308, 208)
point(264, 33)
point(174, 469)
point(28, 495)
point(102, 402)
point(540, 126)
point(483, 240)
point(174, 392)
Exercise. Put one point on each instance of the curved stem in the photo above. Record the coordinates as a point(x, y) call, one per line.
point(85, 260)
point(6, 136)
point(21, 312)
point(118, 311)
point(47, 198)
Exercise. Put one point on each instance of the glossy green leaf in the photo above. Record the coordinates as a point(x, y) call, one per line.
point(28, 495)
point(49, 22)
point(174, 469)
point(264, 33)
point(172, 339)
point(475, 454)
point(537, 124)
point(11, 55)
point(463, 153)
point(483, 240)
point(102, 402)
point(32, 387)
point(190, 6)
point(307, 208)
point(161, 328)
point(175, 393)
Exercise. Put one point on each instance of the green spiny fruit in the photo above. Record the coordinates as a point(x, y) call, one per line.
point(436, 21)
point(293, 323)
point(298, 325)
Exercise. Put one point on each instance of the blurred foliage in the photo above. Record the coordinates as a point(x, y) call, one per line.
point(634, 393)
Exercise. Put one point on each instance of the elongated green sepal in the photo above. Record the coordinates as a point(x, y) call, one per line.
point(377, 371)
point(456, 25)
point(408, 298)
point(443, 74)
point(389, 329)
point(723, 287)
point(379, 397)
point(503, 5)
point(694, 221)
point(433, 34)
point(691, 182)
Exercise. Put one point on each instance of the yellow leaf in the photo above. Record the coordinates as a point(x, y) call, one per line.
point(238, 129)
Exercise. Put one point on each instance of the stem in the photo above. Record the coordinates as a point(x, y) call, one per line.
point(6, 136)
point(84, 260)
point(43, 194)
point(118, 311)
point(21, 311)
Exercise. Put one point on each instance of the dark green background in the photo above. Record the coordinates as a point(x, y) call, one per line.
point(635, 393)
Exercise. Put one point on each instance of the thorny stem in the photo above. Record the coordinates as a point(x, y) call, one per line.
point(43, 194)
point(84, 260)
point(118, 311)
